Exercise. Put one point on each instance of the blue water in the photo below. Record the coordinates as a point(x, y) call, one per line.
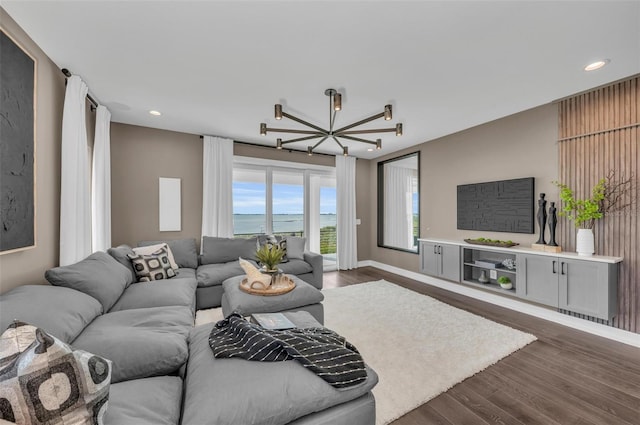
point(282, 223)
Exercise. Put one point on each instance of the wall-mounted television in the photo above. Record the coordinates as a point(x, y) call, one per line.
point(500, 206)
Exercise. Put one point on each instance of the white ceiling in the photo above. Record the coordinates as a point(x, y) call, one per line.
point(218, 67)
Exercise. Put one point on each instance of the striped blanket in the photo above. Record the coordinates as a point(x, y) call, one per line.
point(320, 350)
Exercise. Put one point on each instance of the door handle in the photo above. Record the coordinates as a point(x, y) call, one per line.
point(440, 249)
point(553, 267)
point(435, 249)
point(562, 268)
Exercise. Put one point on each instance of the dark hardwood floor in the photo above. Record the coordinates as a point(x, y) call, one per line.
point(565, 377)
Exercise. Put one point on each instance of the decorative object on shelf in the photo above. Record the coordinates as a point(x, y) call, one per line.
point(491, 242)
point(490, 264)
point(505, 282)
point(609, 195)
point(509, 264)
point(542, 218)
point(345, 133)
point(552, 246)
point(483, 277)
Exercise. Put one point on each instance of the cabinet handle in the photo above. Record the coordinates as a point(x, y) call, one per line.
point(562, 267)
point(440, 249)
point(435, 249)
point(553, 267)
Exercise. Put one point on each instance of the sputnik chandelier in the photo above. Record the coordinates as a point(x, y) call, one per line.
point(347, 132)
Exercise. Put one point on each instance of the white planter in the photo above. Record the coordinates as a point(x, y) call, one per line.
point(585, 245)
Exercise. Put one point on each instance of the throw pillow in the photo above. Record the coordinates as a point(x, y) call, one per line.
point(295, 247)
point(155, 266)
point(43, 380)
point(150, 249)
point(271, 241)
point(98, 275)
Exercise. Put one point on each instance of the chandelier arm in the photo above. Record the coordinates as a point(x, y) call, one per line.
point(290, 130)
point(300, 139)
point(374, 130)
point(338, 142)
point(332, 119)
point(301, 121)
point(364, 121)
point(318, 144)
point(357, 139)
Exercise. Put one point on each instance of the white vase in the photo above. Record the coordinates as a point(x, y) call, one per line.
point(585, 245)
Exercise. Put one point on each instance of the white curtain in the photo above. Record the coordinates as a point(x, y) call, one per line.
point(75, 198)
point(398, 214)
point(101, 182)
point(217, 180)
point(346, 209)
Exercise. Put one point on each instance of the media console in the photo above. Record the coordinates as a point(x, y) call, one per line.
point(566, 281)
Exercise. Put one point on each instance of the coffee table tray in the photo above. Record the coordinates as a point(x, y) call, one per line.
point(281, 285)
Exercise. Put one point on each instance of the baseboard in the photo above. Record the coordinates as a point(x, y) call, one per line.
point(609, 332)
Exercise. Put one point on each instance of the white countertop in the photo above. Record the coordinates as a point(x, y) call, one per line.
point(524, 250)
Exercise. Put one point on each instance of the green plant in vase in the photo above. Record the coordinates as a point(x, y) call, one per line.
point(505, 282)
point(270, 257)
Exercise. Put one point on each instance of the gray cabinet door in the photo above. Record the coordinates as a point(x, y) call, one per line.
point(429, 259)
point(537, 277)
point(450, 262)
point(588, 287)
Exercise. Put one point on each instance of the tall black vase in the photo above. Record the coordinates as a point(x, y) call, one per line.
point(553, 221)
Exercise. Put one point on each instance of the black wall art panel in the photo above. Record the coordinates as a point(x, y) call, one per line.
point(501, 206)
point(17, 213)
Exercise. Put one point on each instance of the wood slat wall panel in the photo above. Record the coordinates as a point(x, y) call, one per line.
point(599, 132)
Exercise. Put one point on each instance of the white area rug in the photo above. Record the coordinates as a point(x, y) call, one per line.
point(420, 347)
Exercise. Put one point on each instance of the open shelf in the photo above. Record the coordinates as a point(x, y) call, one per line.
point(498, 269)
point(471, 271)
point(491, 287)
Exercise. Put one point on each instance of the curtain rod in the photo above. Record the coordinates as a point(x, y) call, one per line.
point(94, 103)
point(285, 149)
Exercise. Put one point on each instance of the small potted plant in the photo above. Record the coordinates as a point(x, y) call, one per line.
point(270, 257)
point(505, 282)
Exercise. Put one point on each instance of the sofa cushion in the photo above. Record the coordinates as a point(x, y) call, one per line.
point(295, 247)
point(142, 342)
point(223, 250)
point(176, 291)
point(98, 275)
point(296, 267)
point(61, 312)
point(120, 254)
point(148, 401)
point(236, 391)
point(184, 251)
point(154, 266)
point(215, 274)
point(44, 380)
point(185, 272)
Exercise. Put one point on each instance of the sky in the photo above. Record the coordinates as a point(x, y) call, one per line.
point(249, 198)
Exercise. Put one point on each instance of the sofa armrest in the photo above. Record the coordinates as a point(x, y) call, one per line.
point(317, 263)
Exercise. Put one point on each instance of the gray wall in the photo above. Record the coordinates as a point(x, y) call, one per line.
point(28, 266)
point(520, 145)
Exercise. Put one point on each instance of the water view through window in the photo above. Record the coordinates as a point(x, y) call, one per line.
point(279, 207)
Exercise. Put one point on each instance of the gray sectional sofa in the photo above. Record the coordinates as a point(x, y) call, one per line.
point(163, 370)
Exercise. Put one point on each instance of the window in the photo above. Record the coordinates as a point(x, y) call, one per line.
point(283, 198)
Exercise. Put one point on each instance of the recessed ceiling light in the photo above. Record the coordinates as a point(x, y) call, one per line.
point(596, 65)
point(156, 113)
point(369, 149)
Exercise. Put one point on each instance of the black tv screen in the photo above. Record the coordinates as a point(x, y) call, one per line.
point(500, 206)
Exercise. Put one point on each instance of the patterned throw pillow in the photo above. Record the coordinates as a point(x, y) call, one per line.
point(150, 249)
point(155, 266)
point(43, 380)
point(270, 241)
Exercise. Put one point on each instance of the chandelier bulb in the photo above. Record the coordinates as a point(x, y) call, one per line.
point(279, 143)
point(310, 150)
point(278, 111)
point(388, 114)
point(399, 129)
point(378, 144)
point(345, 151)
point(337, 102)
point(263, 129)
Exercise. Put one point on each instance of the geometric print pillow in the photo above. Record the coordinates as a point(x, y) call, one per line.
point(155, 266)
point(45, 381)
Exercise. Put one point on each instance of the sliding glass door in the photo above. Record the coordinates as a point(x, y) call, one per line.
point(275, 197)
